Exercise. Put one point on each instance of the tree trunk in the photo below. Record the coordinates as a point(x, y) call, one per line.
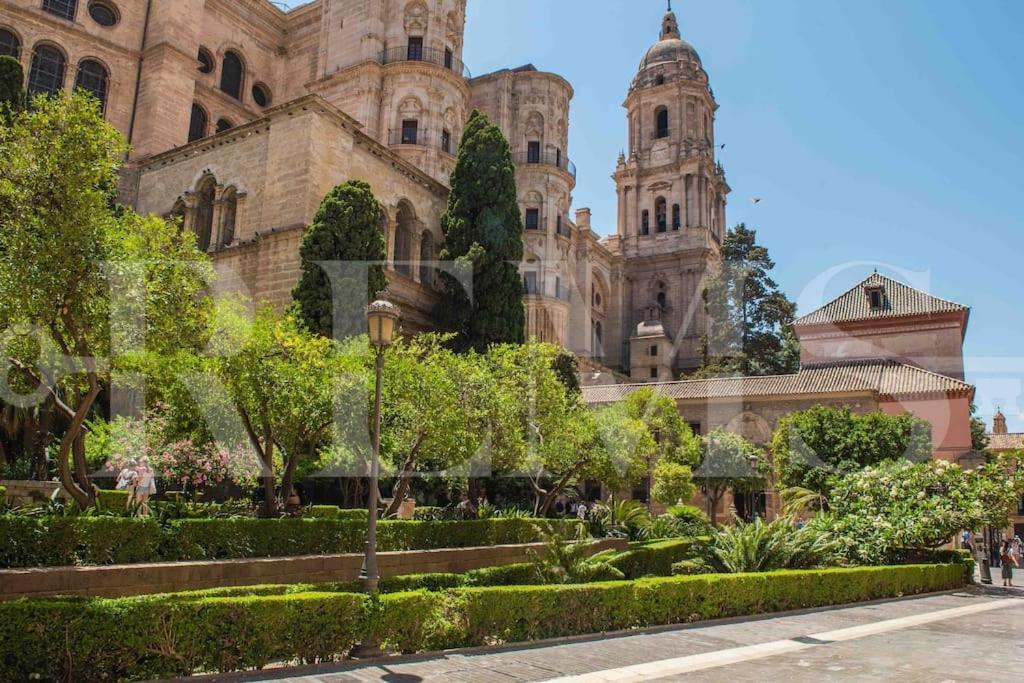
point(402, 486)
point(287, 479)
point(81, 467)
point(81, 496)
point(41, 442)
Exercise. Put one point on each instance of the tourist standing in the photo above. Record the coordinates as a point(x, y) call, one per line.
point(1009, 561)
point(126, 480)
point(145, 486)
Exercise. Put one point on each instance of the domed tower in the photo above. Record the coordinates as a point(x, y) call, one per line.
point(672, 199)
point(396, 66)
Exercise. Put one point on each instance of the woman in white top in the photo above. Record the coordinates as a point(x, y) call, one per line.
point(126, 480)
point(145, 486)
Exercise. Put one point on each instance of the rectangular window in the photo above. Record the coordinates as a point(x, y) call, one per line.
point(645, 223)
point(533, 153)
point(415, 49)
point(558, 158)
point(533, 219)
point(875, 298)
point(410, 132)
point(654, 373)
point(449, 58)
point(65, 9)
point(530, 283)
point(676, 217)
point(654, 352)
point(446, 141)
point(695, 428)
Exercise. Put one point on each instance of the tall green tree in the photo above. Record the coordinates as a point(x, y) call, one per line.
point(814, 446)
point(749, 318)
point(677, 451)
point(483, 303)
point(728, 462)
point(342, 242)
point(77, 272)
point(12, 96)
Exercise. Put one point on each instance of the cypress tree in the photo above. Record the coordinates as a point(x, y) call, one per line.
point(483, 232)
point(12, 97)
point(345, 244)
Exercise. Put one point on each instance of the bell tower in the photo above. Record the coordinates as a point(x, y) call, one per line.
point(671, 194)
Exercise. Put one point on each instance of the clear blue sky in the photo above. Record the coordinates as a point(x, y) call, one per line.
point(878, 133)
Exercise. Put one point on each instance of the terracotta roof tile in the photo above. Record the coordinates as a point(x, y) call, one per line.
point(1006, 442)
point(898, 300)
point(885, 378)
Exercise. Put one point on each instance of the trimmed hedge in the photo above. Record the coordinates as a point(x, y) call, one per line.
point(56, 541)
point(112, 501)
point(335, 512)
point(657, 557)
point(59, 541)
point(168, 636)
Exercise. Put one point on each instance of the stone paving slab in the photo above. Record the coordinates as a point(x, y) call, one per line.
point(918, 653)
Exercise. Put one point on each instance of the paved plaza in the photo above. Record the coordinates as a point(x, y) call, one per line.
point(973, 635)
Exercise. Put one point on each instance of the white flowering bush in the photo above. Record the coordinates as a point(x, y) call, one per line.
point(899, 504)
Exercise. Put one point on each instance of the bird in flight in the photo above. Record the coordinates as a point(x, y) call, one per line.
point(755, 200)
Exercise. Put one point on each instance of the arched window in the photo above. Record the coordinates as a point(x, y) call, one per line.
point(229, 215)
point(403, 240)
point(427, 259)
point(47, 72)
point(232, 74)
point(645, 222)
point(661, 214)
point(224, 125)
point(10, 45)
point(65, 9)
point(661, 123)
point(676, 217)
point(92, 77)
point(203, 223)
point(197, 126)
point(177, 214)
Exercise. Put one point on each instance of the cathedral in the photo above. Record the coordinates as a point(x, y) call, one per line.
point(242, 116)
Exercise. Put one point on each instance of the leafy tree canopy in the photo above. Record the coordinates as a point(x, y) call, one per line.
point(337, 280)
point(814, 445)
point(729, 462)
point(749, 318)
point(483, 232)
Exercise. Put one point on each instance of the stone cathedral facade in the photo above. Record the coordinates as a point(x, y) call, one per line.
point(242, 116)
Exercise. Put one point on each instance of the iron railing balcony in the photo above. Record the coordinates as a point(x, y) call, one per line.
point(545, 159)
point(402, 136)
point(415, 53)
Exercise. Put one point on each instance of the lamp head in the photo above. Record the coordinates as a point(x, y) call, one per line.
point(381, 319)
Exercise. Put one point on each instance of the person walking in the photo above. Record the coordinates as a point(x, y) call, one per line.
point(144, 487)
point(126, 480)
point(1009, 561)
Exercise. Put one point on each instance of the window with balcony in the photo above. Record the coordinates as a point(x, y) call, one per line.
point(415, 51)
point(533, 152)
point(533, 219)
point(449, 58)
point(410, 131)
point(661, 214)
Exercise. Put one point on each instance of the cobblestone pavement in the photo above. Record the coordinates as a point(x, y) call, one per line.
point(975, 635)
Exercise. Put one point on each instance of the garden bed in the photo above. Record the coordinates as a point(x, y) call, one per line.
point(165, 636)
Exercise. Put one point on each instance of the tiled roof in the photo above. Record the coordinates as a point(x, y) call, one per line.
point(898, 300)
point(1006, 442)
point(885, 378)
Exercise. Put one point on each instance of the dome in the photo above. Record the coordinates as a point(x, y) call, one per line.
point(670, 50)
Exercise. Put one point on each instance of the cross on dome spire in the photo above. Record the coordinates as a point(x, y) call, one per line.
point(669, 25)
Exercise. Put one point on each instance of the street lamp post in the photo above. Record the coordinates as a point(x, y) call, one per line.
point(381, 317)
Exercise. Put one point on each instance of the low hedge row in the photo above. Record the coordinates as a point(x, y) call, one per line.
point(168, 636)
point(656, 558)
point(57, 541)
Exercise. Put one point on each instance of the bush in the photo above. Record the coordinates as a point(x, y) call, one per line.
point(165, 636)
point(52, 541)
point(761, 547)
point(112, 501)
point(657, 557)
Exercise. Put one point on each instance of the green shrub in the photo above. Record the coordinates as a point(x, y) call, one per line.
point(761, 547)
point(519, 574)
point(354, 515)
point(692, 567)
point(165, 636)
point(3, 497)
point(112, 501)
point(324, 512)
point(54, 541)
point(414, 582)
point(656, 558)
